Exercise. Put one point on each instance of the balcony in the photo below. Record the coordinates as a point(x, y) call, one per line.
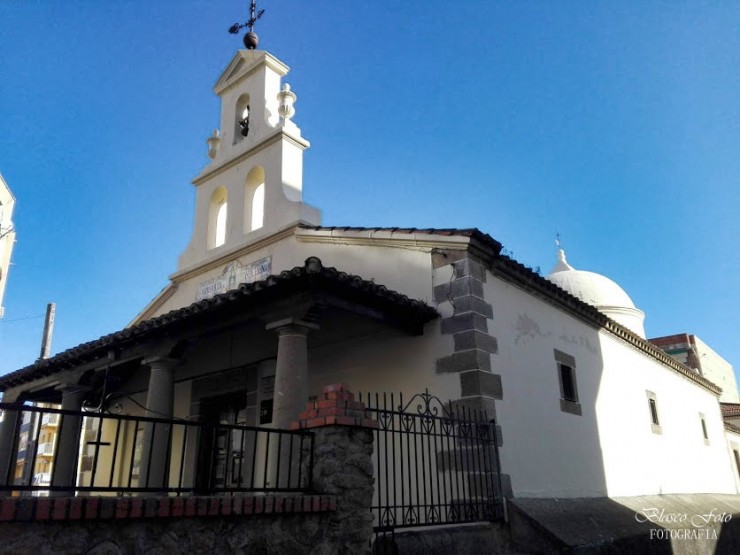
point(50, 420)
point(46, 449)
point(42, 479)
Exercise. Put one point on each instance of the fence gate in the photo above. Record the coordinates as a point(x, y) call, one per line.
point(434, 464)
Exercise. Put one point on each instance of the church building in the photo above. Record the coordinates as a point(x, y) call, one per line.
point(267, 306)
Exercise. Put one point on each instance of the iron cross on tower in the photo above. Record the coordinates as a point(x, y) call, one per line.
point(251, 40)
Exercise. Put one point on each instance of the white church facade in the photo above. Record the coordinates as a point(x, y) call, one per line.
point(267, 306)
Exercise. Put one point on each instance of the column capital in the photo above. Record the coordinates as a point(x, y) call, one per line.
point(160, 363)
point(292, 325)
point(71, 388)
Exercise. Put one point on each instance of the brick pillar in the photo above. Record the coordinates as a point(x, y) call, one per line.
point(343, 465)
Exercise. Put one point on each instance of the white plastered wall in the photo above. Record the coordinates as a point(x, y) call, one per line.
point(610, 449)
point(733, 444)
point(407, 271)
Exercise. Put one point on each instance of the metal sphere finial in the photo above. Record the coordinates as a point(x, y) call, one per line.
point(251, 40)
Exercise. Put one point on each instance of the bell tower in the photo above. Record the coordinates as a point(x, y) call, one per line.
point(252, 187)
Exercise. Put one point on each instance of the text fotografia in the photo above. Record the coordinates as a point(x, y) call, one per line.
point(683, 534)
point(696, 526)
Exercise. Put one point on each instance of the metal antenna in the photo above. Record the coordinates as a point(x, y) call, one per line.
point(251, 40)
point(557, 239)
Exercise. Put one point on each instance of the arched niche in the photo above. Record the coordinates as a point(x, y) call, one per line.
point(254, 199)
point(241, 119)
point(217, 218)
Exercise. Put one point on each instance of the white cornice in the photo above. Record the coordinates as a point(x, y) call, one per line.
point(232, 254)
point(280, 133)
point(382, 238)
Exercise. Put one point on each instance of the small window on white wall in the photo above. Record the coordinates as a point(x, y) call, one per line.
point(703, 421)
point(654, 417)
point(217, 218)
point(566, 366)
point(254, 200)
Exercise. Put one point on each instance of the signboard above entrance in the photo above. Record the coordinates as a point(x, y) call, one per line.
point(234, 274)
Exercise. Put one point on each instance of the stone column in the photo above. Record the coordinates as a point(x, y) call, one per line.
point(68, 441)
point(8, 428)
point(291, 371)
point(156, 439)
point(290, 395)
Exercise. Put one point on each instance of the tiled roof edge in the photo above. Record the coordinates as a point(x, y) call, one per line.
point(530, 280)
point(312, 269)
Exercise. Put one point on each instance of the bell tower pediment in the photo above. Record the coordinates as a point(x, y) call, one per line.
point(242, 63)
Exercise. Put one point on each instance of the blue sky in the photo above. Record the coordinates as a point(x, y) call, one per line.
point(615, 123)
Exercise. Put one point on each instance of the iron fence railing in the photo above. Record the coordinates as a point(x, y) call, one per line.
point(116, 454)
point(434, 464)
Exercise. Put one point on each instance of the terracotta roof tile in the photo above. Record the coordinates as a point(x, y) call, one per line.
point(312, 275)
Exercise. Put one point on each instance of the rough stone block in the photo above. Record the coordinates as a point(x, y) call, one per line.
point(457, 288)
point(472, 304)
point(469, 267)
point(442, 257)
point(474, 406)
point(473, 339)
point(481, 383)
point(464, 322)
point(473, 359)
point(464, 459)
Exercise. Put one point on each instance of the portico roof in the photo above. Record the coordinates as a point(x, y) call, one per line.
point(388, 306)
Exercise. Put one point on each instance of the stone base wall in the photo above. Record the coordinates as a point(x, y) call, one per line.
point(297, 533)
point(337, 519)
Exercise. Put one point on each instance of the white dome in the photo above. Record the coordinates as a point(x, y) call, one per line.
point(600, 292)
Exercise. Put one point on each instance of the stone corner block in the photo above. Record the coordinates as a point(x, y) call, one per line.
point(473, 359)
point(479, 382)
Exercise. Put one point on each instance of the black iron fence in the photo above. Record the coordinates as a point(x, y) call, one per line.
point(67, 451)
point(434, 464)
